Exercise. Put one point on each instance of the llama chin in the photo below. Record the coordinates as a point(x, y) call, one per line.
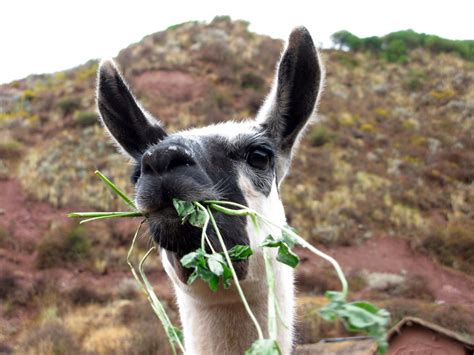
point(243, 162)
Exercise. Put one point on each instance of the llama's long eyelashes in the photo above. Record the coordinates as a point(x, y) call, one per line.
point(259, 158)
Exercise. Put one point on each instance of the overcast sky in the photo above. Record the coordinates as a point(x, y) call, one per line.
point(48, 36)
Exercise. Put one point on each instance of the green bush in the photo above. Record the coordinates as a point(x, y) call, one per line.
point(63, 246)
point(251, 80)
point(415, 80)
point(85, 119)
point(396, 51)
point(395, 45)
point(10, 148)
point(69, 105)
point(320, 136)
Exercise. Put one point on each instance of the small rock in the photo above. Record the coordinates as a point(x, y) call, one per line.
point(382, 280)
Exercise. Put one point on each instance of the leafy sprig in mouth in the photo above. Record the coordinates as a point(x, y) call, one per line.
point(214, 268)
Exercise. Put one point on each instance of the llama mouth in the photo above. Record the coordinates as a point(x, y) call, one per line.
point(166, 213)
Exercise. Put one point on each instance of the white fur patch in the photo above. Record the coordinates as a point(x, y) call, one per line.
point(228, 129)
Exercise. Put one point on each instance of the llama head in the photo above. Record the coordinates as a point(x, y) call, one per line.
point(244, 162)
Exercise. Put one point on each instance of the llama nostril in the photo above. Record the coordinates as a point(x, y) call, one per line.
point(165, 159)
point(147, 164)
point(178, 160)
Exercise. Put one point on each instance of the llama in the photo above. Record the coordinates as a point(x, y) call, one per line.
point(244, 162)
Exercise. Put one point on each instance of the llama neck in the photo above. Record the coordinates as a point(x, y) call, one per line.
point(218, 323)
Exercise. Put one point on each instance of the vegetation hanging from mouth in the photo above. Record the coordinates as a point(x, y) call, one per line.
point(216, 267)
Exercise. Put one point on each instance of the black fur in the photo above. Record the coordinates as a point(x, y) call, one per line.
point(121, 114)
point(208, 174)
point(298, 81)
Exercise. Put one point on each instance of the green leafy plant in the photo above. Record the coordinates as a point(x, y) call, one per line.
point(213, 267)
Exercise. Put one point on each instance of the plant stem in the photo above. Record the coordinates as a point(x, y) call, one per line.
point(215, 204)
point(234, 275)
point(115, 189)
point(94, 216)
point(154, 301)
point(158, 306)
point(271, 300)
point(204, 237)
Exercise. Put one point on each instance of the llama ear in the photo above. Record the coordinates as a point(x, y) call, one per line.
point(121, 114)
point(294, 95)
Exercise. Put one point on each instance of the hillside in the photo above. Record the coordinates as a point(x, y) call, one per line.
point(384, 182)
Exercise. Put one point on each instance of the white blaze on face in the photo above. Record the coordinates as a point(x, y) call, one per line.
point(270, 206)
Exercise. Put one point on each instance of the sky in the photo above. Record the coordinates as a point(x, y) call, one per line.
point(48, 36)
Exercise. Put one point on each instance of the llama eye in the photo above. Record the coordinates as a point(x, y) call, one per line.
point(259, 159)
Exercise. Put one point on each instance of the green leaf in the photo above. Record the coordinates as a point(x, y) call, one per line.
point(190, 213)
point(270, 241)
point(284, 243)
point(194, 258)
point(264, 347)
point(208, 267)
point(216, 264)
point(209, 277)
point(240, 252)
point(335, 296)
point(358, 316)
point(286, 256)
point(227, 276)
point(193, 277)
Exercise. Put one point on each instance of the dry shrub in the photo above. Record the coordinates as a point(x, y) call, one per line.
point(62, 246)
point(69, 105)
point(5, 349)
point(452, 244)
point(82, 295)
point(251, 80)
point(453, 317)
point(10, 149)
point(8, 284)
point(148, 335)
point(357, 281)
point(414, 287)
point(310, 327)
point(309, 281)
point(52, 337)
point(44, 289)
point(109, 339)
point(217, 53)
point(148, 340)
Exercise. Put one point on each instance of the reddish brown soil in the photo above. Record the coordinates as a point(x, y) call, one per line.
point(173, 85)
point(394, 255)
point(26, 221)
